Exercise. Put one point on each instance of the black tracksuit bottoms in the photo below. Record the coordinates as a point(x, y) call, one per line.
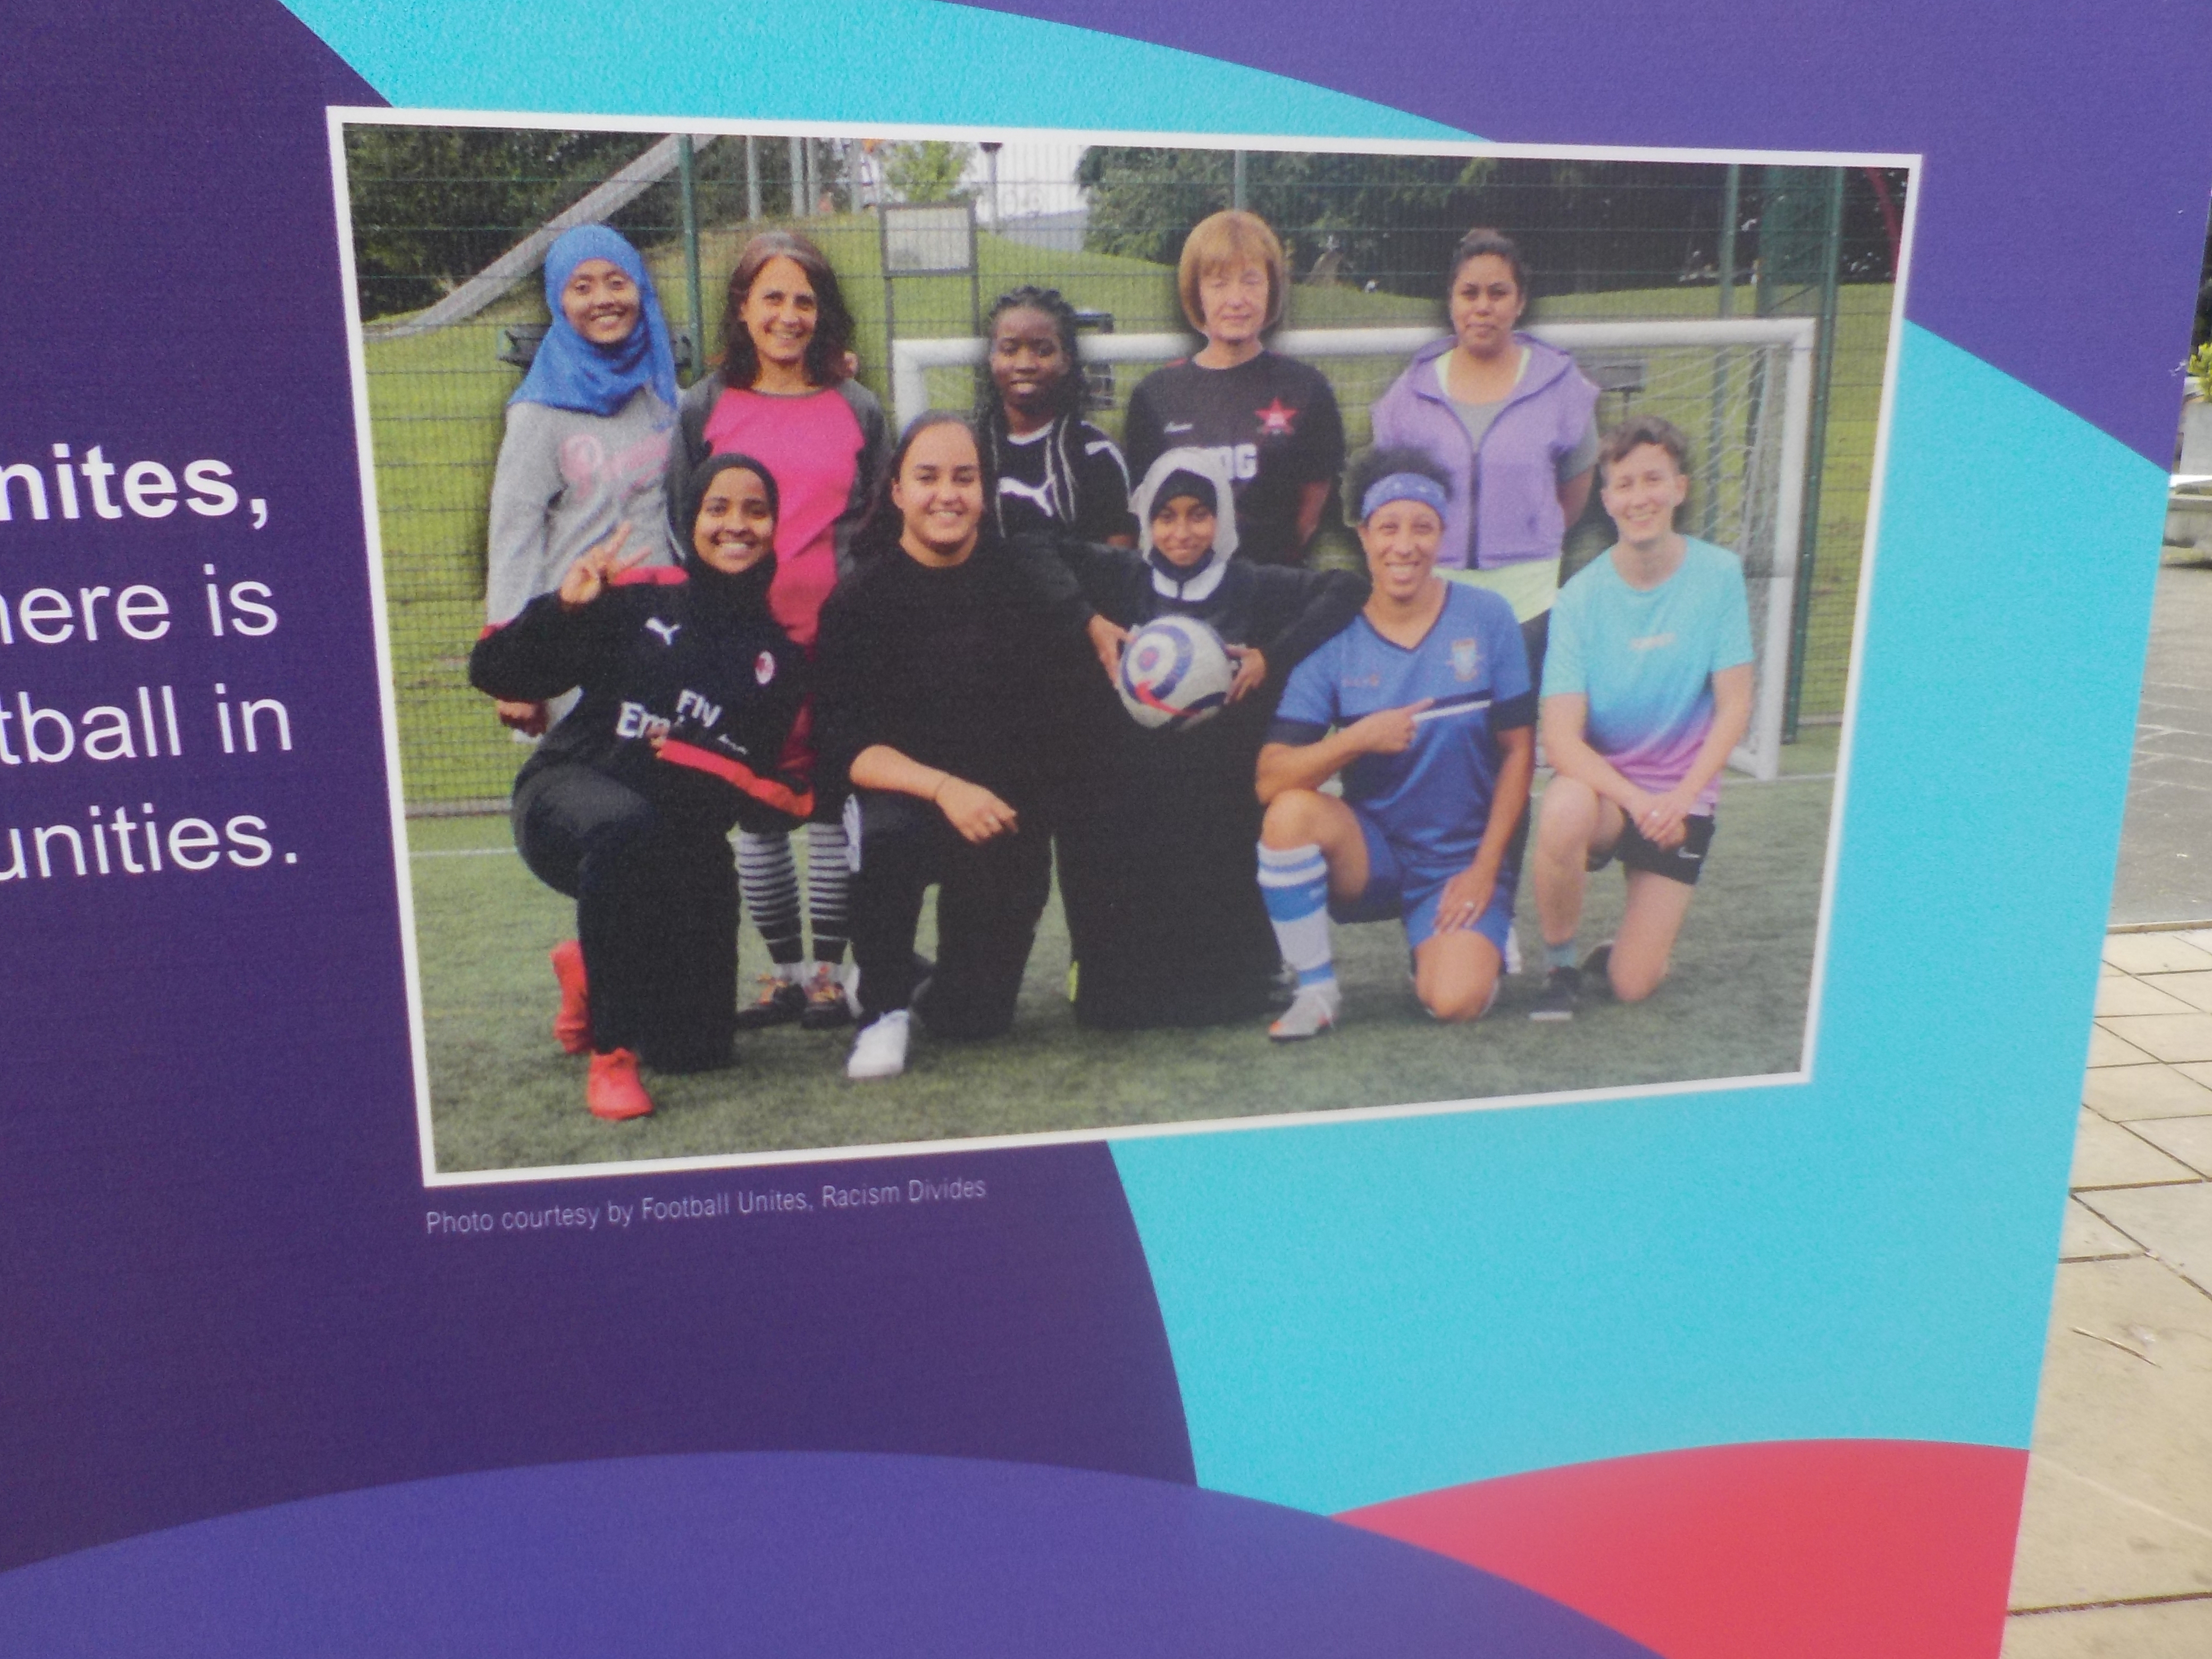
point(989, 901)
point(656, 911)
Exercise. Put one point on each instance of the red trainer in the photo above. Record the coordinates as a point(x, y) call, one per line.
point(613, 1091)
point(572, 1026)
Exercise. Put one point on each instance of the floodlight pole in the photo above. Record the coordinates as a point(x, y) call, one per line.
point(991, 148)
point(688, 182)
point(798, 177)
point(752, 177)
point(1237, 180)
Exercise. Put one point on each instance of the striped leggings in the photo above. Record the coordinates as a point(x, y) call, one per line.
point(769, 878)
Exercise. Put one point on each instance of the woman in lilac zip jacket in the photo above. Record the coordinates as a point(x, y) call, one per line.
point(1513, 419)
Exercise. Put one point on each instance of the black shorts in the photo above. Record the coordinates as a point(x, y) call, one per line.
point(1682, 863)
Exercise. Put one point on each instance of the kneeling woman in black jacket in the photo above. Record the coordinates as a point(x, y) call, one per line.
point(690, 690)
point(944, 664)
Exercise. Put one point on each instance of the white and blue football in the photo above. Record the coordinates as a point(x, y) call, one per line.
point(1175, 672)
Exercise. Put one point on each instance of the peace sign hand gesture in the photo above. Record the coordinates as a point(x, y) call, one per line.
point(591, 576)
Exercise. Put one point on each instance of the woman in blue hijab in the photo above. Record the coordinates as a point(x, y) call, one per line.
point(587, 432)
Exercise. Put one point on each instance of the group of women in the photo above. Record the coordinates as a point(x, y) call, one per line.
point(746, 607)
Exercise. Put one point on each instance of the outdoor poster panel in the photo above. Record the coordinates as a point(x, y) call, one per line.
point(1690, 435)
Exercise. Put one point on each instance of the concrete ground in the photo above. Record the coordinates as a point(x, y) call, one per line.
point(2115, 1558)
point(2166, 851)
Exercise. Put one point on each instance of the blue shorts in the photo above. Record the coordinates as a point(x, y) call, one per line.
point(1398, 887)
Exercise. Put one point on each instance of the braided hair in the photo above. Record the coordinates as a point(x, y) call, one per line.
point(1064, 436)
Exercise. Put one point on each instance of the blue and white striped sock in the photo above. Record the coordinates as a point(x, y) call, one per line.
point(1294, 882)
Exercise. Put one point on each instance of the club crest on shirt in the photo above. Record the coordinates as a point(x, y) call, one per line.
point(764, 667)
point(1275, 421)
point(1465, 657)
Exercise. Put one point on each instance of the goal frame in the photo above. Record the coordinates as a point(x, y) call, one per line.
point(1761, 752)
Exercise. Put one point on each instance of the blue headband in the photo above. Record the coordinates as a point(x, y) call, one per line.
point(1401, 487)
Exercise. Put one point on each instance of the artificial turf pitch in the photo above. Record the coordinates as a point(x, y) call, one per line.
point(503, 1096)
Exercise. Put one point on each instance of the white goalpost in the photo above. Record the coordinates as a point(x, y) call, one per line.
point(1741, 387)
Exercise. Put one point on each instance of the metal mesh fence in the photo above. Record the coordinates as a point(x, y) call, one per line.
point(447, 324)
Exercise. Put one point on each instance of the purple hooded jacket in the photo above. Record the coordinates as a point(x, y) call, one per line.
point(1516, 511)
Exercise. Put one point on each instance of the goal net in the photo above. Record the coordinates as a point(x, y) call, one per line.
point(1740, 387)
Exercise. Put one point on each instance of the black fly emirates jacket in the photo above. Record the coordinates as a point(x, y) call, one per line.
point(721, 686)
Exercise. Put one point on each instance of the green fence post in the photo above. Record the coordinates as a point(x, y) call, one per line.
point(752, 177)
point(1236, 181)
point(687, 183)
point(1731, 201)
point(1823, 361)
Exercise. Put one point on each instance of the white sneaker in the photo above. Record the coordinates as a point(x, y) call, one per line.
point(880, 1049)
point(1312, 1012)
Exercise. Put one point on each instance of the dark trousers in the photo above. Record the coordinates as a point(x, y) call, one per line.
point(656, 911)
point(988, 900)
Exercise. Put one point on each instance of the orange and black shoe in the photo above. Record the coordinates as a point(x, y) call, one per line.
point(780, 1001)
point(827, 1005)
point(612, 1089)
point(572, 1026)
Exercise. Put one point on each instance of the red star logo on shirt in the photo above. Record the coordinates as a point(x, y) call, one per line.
point(1275, 419)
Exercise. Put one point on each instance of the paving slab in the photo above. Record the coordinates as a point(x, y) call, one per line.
point(2168, 1630)
point(2165, 1036)
point(2106, 1155)
point(2194, 988)
point(2088, 1237)
point(2105, 1049)
point(2189, 1139)
point(2175, 1225)
point(2119, 1507)
point(2154, 953)
point(2123, 993)
point(2127, 1093)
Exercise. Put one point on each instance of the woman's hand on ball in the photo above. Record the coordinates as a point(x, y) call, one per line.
point(1389, 731)
point(1108, 642)
point(1251, 671)
point(592, 574)
point(974, 811)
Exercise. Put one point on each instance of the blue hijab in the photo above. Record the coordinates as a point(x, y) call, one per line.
point(569, 371)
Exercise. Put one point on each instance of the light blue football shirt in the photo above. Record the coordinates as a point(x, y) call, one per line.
point(1645, 658)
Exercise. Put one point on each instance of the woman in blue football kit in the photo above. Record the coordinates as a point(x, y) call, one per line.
point(1423, 705)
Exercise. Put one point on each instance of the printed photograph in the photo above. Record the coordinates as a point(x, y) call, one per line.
point(909, 639)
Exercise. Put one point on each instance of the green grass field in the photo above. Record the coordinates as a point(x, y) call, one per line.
point(503, 1096)
point(436, 403)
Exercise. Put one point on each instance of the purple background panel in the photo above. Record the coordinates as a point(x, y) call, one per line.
point(784, 1554)
point(2066, 140)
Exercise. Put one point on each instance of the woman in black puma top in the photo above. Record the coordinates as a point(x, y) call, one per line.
point(689, 691)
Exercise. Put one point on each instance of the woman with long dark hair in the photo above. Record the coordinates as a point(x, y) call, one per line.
point(1055, 470)
point(688, 690)
point(943, 669)
point(784, 391)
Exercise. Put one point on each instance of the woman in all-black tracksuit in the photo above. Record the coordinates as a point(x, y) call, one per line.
point(688, 688)
point(944, 667)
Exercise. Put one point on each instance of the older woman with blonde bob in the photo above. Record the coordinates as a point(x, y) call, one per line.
point(1274, 422)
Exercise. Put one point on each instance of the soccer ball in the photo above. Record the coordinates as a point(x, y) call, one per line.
point(1175, 672)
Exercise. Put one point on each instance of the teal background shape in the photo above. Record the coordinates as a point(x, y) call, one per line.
point(818, 60)
point(1360, 1311)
